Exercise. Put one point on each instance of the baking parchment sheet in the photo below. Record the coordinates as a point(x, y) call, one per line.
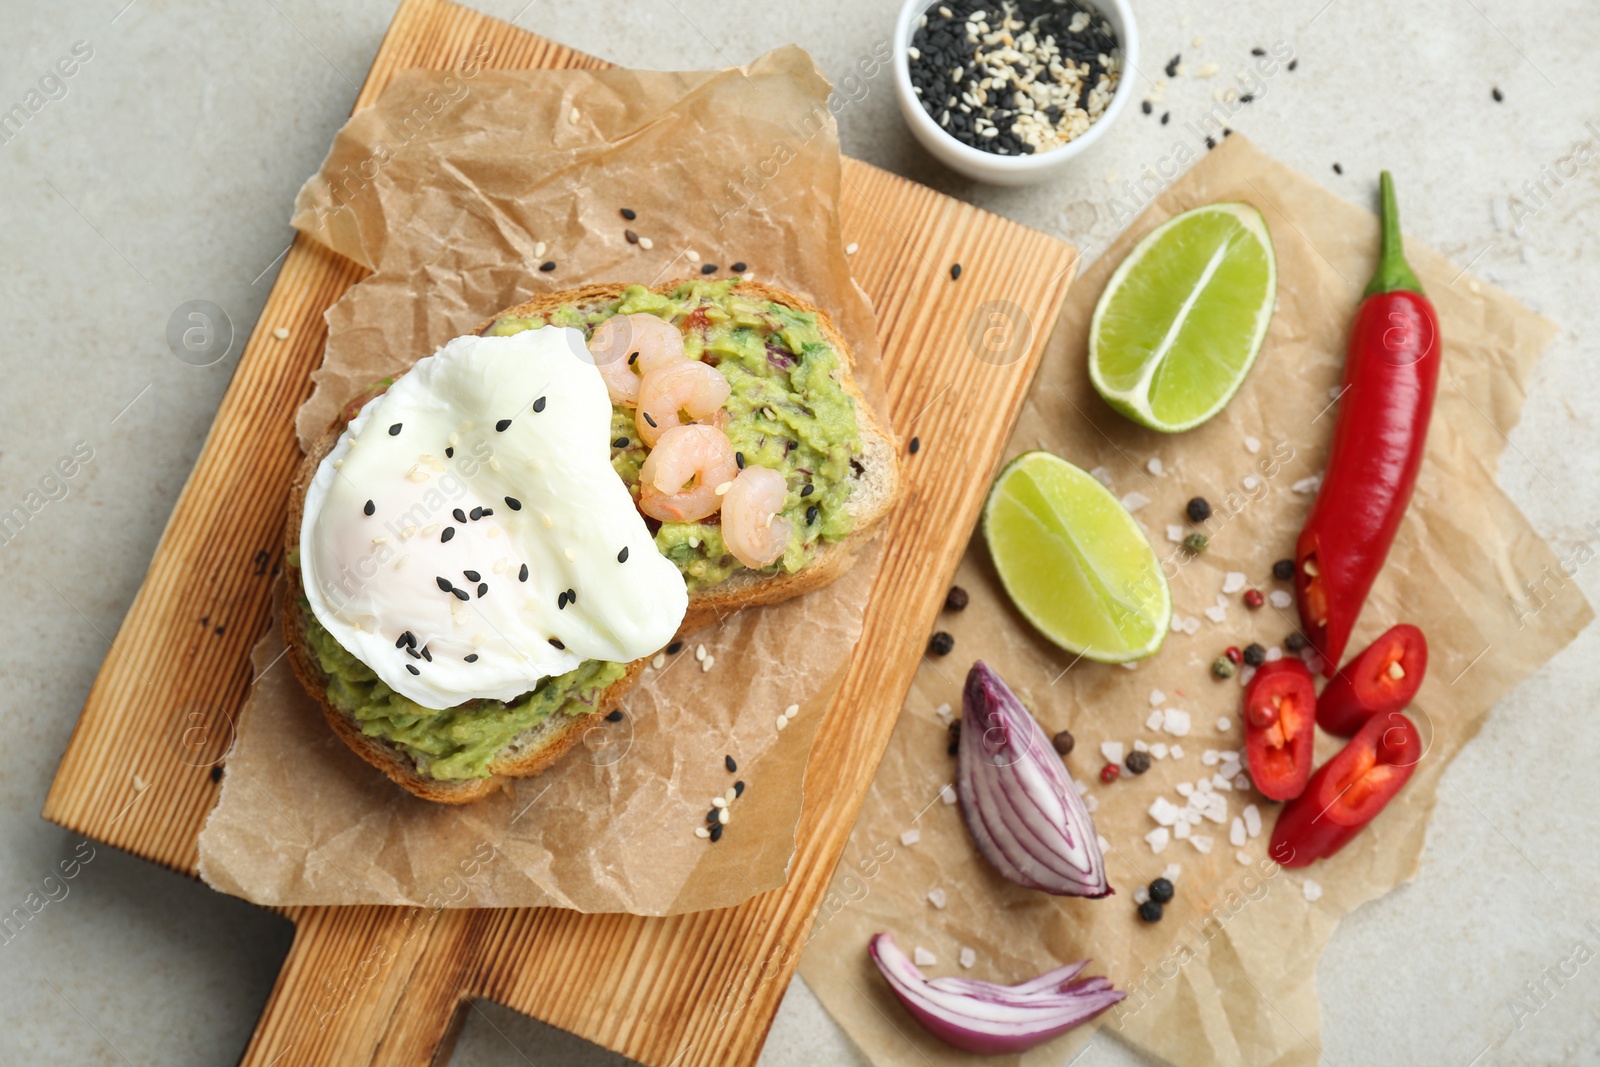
point(1228, 976)
point(455, 188)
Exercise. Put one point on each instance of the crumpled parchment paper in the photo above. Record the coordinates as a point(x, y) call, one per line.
point(1229, 975)
point(454, 188)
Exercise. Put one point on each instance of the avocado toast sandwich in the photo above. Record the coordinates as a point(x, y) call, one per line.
point(485, 552)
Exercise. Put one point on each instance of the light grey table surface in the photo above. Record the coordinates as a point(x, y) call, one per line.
point(164, 169)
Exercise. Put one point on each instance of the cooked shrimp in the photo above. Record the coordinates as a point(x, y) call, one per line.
point(680, 476)
point(626, 347)
point(689, 386)
point(752, 529)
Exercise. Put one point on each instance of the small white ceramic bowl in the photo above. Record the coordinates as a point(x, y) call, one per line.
point(1010, 170)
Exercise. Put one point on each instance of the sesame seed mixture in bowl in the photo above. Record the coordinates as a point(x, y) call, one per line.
point(1014, 77)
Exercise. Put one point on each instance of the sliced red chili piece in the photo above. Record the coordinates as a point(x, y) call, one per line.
point(1383, 678)
point(1348, 791)
point(1280, 710)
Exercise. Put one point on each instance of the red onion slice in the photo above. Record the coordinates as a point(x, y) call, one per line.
point(990, 1019)
point(1024, 814)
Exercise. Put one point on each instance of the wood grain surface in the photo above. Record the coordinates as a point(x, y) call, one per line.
point(381, 985)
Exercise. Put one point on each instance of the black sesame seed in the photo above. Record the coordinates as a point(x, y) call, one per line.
point(572, 596)
point(807, 489)
point(461, 516)
point(738, 459)
point(614, 715)
point(405, 639)
point(449, 453)
point(740, 267)
point(368, 508)
point(621, 442)
point(1497, 94)
point(394, 431)
point(412, 667)
point(622, 557)
point(216, 772)
point(1247, 98)
point(472, 576)
point(486, 513)
point(475, 514)
point(548, 265)
point(426, 654)
point(1172, 65)
point(1258, 51)
point(1166, 117)
point(1293, 63)
point(538, 405)
point(648, 419)
point(449, 532)
point(1147, 107)
point(1211, 142)
point(1338, 169)
point(955, 271)
point(461, 594)
point(483, 587)
point(711, 816)
point(629, 214)
point(708, 268)
point(471, 657)
point(633, 357)
point(738, 788)
point(916, 445)
point(812, 513)
point(502, 426)
point(513, 503)
point(674, 648)
point(631, 237)
point(561, 601)
point(727, 761)
point(413, 653)
point(555, 642)
point(522, 575)
point(445, 584)
point(716, 832)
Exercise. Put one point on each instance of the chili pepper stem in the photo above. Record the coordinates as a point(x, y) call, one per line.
point(1394, 273)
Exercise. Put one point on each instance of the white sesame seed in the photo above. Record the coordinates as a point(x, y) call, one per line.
point(539, 250)
point(548, 522)
point(851, 249)
point(722, 490)
point(572, 116)
point(782, 722)
point(381, 539)
point(911, 837)
point(706, 664)
point(723, 815)
point(691, 255)
point(660, 660)
point(700, 652)
point(646, 244)
point(281, 334)
point(718, 802)
point(701, 831)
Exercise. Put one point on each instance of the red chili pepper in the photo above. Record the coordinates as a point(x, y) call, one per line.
point(1347, 792)
point(1280, 711)
point(1390, 373)
point(1383, 678)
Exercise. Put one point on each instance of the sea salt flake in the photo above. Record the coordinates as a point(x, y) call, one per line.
point(1216, 808)
point(1202, 785)
point(1250, 481)
point(1224, 724)
point(1201, 842)
point(1185, 789)
point(1236, 833)
point(1172, 872)
point(1177, 751)
point(1155, 719)
point(1308, 485)
point(1105, 846)
point(1164, 811)
point(1158, 838)
point(1229, 769)
point(1233, 581)
point(1280, 598)
point(1175, 533)
point(1312, 891)
point(1274, 654)
point(1134, 501)
point(944, 713)
point(1252, 445)
point(1245, 675)
point(1217, 613)
point(1241, 782)
point(1191, 625)
point(1159, 750)
point(936, 897)
point(1141, 894)
point(1113, 751)
point(1243, 857)
point(1177, 722)
point(1157, 698)
point(1154, 466)
point(1224, 783)
point(1210, 757)
point(948, 795)
point(1101, 475)
point(1091, 803)
point(911, 837)
point(923, 958)
point(1252, 820)
point(1182, 830)
point(968, 956)
point(1140, 746)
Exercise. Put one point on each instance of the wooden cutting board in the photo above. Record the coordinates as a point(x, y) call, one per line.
point(381, 985)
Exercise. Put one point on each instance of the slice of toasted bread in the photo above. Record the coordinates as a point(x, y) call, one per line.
point(874, 489)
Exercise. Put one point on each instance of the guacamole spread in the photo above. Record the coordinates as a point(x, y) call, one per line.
point(788, 411)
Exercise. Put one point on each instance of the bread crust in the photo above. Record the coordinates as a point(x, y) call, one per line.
point(539, 747)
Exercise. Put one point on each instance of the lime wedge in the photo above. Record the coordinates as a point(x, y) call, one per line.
point(1183, 317)
point(1074, 562)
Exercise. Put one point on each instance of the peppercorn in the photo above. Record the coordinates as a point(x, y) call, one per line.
point(1137, 762)
point(1062, 743)
point(1253, 599)
point(1283, 570)
point(1196, 543)
point(1254, 654)
point(955, 599)
point(1150, 910)
point(1295, 642)
point(955, 737)
point(1199, 510)
point(940, 644)
point(1110, 773)
point(1234, 655)
point(1221, 667)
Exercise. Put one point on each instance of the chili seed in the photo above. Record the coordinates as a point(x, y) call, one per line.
point(1150, 911)
point(1137, 762)
point(1254, 655)
point(1198, 509)
point(956, 599)
point(1062, 742)
point(1161, 891)
point(940, 644)
point(1283, 570)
